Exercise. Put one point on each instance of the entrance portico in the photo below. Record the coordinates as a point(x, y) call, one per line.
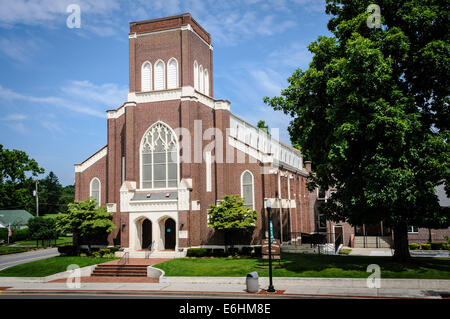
point(155, 231)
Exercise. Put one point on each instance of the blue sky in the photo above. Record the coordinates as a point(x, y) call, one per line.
point(56, 83)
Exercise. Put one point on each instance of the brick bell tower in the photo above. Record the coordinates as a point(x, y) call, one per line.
point(162, 42)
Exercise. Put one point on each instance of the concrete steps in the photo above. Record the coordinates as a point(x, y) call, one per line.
point(373, 242)
point(120, 271)
point(154, 254)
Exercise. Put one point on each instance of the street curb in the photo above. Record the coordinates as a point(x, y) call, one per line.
point(205, 294)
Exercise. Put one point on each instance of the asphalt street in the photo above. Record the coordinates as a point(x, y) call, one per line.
point(22, 258)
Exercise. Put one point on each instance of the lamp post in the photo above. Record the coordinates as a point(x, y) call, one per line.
point(269, 222)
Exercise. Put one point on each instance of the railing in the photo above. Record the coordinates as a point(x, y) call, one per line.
point(337, 243)
point(125, 259)
point(149, 251)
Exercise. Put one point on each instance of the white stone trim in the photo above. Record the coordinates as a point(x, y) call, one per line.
point(185, 93)
point(195, 205)
point(79, 168)
point(187, 27)
point(258, 144)
point(111, 207)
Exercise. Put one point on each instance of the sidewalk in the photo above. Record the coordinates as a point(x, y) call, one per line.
point(208, 286)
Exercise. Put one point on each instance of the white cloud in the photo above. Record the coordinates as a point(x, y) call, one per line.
point(78, 96)
point(19, 49)
point(14, 117)
point(293, 56)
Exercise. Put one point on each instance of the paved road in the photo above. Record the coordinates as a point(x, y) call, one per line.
point(22, 258)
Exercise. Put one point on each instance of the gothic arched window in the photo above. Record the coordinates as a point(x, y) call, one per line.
point(160, 81)
point(196, 75)
point(172, 74)
point(159, 158)
point(146, 77)
point(95, 189)
point(247, 189)
point(206, 82)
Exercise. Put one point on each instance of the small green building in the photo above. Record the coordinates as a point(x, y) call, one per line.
point(17, 218)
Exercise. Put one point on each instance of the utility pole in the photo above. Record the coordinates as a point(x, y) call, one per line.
point(37, 199)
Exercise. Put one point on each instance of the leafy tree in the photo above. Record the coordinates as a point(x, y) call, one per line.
point(50, 191)
point(372, 114)
point(67, 197)
point(263, 126)
point(16, 179)
point(231, 215)
point(85, 220)
point(41, 228)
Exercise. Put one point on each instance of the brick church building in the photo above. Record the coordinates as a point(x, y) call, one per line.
point(173, 149)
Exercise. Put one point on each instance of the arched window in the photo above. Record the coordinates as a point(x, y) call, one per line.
point(95, 190)
point(159, 158)
point(195, 75)
point(146, 77)
point(206, 82)
point(247, 189)
point(172, 74)
point(201, 79)
point(160, 81)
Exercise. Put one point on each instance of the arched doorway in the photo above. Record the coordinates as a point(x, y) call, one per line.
point(146, 234)
point(169, 234)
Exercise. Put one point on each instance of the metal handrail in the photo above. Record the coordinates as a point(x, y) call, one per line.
point(124, 259)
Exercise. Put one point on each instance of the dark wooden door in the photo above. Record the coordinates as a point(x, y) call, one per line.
point(169, 234)
point(146, 234)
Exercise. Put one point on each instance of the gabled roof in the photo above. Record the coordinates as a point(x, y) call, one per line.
point(14, 217)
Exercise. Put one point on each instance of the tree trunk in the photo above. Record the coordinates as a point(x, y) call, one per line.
point(401, 248)
point(429, 235)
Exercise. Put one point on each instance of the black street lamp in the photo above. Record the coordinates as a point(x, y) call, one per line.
point(270, 228)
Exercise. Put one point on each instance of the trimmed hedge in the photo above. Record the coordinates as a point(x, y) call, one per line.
point(438, 246)
point(425, 247)
point(413, 246)
point(196, 252)
point(68, 250)
point(17, 234)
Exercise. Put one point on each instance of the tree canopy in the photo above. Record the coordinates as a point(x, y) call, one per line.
point(86, 220)
point(371, 113)
point(17, 171)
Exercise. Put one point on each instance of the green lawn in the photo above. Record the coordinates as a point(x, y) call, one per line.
point(309, 265)
point(5, 250)
point(50, 266)
point(60, 241)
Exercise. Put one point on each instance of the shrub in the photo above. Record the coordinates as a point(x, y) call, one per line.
point(68, 250)
point(257, 251)
point(246, 251)
point(114, 249)
point(196, 252)
point(218, 252)
point(209, 252)
point(17, 234)
point(108, 255)
point(233, 251)
point(96, 254)
point(437, 246)
point(413, 246)
point(104, 251)
point(345, 251)
point(83, 255)
point(425, 246)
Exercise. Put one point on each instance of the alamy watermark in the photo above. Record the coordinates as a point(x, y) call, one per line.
point(374, 279)
point(74, 279)
point(74, 19)
point(374, 19)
